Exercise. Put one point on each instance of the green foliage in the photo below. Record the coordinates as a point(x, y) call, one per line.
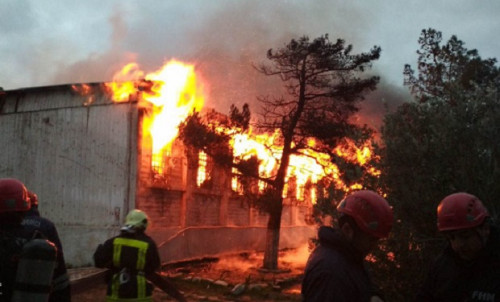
point(445, 142)
point(323, 84)
point(445, 70)
point(325, 205)
point(204, 136)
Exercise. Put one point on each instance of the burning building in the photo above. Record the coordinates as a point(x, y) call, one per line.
point(92, 153)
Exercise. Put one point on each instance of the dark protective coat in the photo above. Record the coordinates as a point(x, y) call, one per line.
point(127, 259)
point(61, 291)
point(452, 279)
point(12, 240)
point(335, 271)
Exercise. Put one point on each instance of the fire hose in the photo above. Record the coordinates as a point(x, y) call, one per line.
point(165, 285)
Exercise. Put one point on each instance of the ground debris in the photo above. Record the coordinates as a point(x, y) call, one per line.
point(227, 279)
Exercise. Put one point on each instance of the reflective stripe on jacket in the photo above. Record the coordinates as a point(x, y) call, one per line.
point(130, 257)
point(123, 277)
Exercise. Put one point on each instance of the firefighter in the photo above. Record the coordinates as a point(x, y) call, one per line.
point(468, 269)
point(61, 291)
point(132, 259)
point(22, 276)
point(335, 270)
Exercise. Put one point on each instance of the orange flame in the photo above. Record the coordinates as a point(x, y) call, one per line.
point(171, 95)
point(124, 82)
point(84, 90)
point(308, 167)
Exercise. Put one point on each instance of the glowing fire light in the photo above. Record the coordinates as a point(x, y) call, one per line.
point(172, 93)
point(85, 90)
point(310, 166)
point(171, 96)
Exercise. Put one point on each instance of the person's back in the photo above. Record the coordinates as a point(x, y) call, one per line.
point(12, 240)
point(61, 290)
point(16, 242)
point(335, 269)
point(131, 257)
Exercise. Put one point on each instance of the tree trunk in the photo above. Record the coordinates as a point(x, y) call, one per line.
point(274, 223)
point(273, 236)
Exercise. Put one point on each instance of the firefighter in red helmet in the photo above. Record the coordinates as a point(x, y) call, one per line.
point(469, 267)
point(335, 269)
point(25, 272)
point(14, 203)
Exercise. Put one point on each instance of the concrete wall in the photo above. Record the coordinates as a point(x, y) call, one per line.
point(78, 154)
point(196, 243)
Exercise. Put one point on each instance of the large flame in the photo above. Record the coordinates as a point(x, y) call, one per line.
point(308, 167)
point(172, 93)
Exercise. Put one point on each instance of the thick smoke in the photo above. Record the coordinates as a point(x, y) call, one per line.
point(225, 40)
point(224, 43)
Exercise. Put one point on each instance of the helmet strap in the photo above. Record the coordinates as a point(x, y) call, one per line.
point(483, 231)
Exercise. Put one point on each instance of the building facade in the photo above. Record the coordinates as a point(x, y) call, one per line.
point(89, 162)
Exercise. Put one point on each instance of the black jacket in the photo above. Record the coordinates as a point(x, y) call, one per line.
point(12, 240)
point(335, 271)
point(61, 291)
point(452, 279)
point(125, 268)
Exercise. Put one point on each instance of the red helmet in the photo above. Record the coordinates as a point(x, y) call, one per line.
point(460, 211)
point(372, 212)
point(13, 196)
point(33, 198)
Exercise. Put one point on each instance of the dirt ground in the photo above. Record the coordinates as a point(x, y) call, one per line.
point(223, 278)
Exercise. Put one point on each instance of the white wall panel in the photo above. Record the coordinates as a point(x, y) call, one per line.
point(77, 158)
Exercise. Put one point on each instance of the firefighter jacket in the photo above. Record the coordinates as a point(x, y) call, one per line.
point(13, 238)
point(61, 291)
point(452, 279)
point(131, 257)
point(335, 271)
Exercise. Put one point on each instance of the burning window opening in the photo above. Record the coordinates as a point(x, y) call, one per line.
point(236, 184)
point(201, 176)
point(157, 164)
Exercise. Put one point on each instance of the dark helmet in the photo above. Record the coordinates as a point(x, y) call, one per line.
point(13, 196)
point(371, 212)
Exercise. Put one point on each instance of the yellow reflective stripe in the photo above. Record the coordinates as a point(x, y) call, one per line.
point(140, 245)
point(141, 258)
point(117, 253)
point(115, 285)
point(141, 286)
